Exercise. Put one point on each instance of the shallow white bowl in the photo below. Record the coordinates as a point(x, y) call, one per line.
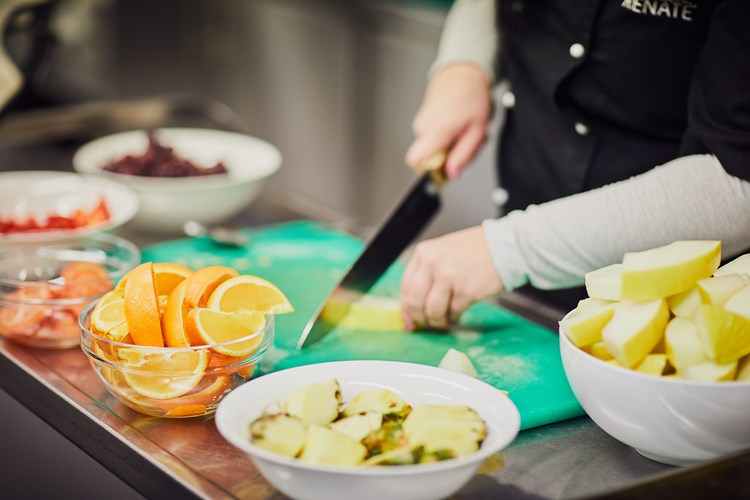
point(166, 203)
point(415, 384)
point(41, 193)
point(668, 420)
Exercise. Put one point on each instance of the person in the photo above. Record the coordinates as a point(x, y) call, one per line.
point(626, 127)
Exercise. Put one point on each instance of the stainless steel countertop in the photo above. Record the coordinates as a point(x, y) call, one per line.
point(188, 458)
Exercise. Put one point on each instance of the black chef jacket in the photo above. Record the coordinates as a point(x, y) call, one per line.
point(608, 89)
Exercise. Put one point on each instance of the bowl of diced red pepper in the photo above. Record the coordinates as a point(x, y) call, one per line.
point(44, 206)
point(44, 288)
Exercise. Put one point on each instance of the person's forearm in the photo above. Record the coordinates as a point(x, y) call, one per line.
point(554, 244)
point(469, 35)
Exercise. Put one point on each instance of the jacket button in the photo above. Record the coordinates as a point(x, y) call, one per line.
point(508, 99)
point(577, 50)
point(499, 197)
point(581, 128)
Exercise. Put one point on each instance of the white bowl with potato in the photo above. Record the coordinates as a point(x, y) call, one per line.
point(303, 476)
point(659, 354)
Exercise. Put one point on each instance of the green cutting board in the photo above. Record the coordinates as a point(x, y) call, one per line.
point(305, 260)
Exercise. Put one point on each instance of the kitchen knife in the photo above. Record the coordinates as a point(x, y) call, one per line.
point(405, 222)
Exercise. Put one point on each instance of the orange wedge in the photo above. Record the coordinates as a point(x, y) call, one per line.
point(200, 285)
point(166, 275)
point(219, 362)
point(173, 319)
point(207, 392)
point(249, 293)
point(142, 306)
point(108, 319)
point(207, 326)
point(162, 375)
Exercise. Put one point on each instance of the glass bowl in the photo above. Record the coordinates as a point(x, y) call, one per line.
point(171, 382)
point(43, 288)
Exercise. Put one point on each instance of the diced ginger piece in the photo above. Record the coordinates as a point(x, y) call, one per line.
point(684, 346)
point(668, 270)
point(583, 325)
point(635, 329)
point(604, 283)
point(718, 290)
point(725, 334)
point(685, 304)
point(709, 371)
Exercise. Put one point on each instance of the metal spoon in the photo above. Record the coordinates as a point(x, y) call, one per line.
point(217, 234)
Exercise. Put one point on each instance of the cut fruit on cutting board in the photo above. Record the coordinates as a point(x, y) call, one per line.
point(306, 260)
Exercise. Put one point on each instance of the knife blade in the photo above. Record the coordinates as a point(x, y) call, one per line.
point(401, 226)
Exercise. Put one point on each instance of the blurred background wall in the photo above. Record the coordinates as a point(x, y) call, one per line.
point(333, 83)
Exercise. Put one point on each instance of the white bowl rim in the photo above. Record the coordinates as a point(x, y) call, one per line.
point(410, 469)
point(725, 386)
point(193, 183)
point(119, 215)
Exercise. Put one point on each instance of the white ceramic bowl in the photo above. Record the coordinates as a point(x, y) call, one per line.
point(166, 203)
point(40, 194)
point(415, 384)
point(668, 420)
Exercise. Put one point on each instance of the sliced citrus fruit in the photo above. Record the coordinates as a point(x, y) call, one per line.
point(200, 285)
point(208, 391)
point(207, 326)
point(173, 319)
point(169, 275)
point(166, 274)
point(249, 293)
point(222, 364)
point(109, 319)
point(162, 374)
point(142, 306)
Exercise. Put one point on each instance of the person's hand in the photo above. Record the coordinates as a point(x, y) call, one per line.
point(453, 117)
point(446, 275)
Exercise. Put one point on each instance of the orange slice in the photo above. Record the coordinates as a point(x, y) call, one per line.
point(249, 293)
point(162, 374)
point(207, 326)
point(142, 306)
point(173, 319)
point(108, 319)
point(167, 276)
point(203, 282)
point(222, 364)
point(207, 392)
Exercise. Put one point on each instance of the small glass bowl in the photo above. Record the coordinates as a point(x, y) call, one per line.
point(170, 393)
point(43, 288)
